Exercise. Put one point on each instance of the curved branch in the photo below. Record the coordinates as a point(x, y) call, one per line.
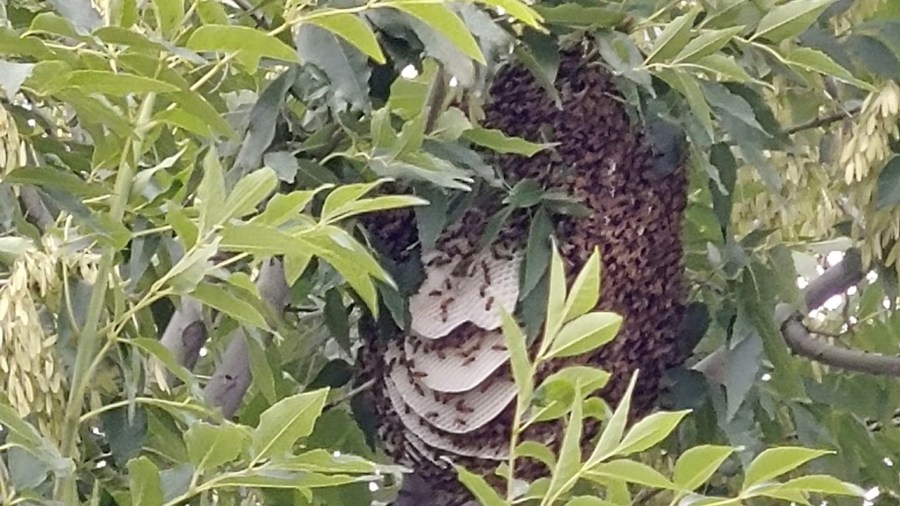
point(836, 280)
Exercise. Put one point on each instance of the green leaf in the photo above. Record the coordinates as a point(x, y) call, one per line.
point(577, 15)
point(285, 422)
point(517, 9)
point(170, 14)
point(817, 61)
point(537, 251)
point(585, 333)
point(249, 43)
point(585, 291)
point(47, 177)
point(164, 355)
point(569, 463)
point(632, 472)
point(146, 487)
point(587, 500)
point(556, 301)
point(614, 427)
point(344, 65)
point(210, 446)
point(260, 369)
point(352, 29)
point(539, 53)
point(697, 464)
point(888, 187)
point(673, 38)
point(284, 206)
point(501, 143)
point(342, 197)
point(525, 193)
point(249, 191)
point(774, 462)
point(588, 378)
point(192, 268)
point(484, 493)
point(649, 431)
point(823, 484)
point(790, 19)
point(708, 42)
point(518, 356)
point(687, 85)
point(230, 304)
point(111, 83)
point(537, 451)
point(445, 21)
point(211, 192)
point(725, 67)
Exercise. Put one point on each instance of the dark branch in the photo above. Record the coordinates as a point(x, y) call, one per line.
point(823, 121)
point(834, 281)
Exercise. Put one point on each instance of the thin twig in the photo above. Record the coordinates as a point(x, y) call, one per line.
point(350, 394)
point(823, 121)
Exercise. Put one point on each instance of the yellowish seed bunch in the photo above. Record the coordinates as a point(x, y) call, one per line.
point(10, 145)
point(30, 374)
point(863, 157)
point(869, 145)
point(804, 208)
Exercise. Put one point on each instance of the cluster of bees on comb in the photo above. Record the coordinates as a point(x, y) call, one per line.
point(444, 392)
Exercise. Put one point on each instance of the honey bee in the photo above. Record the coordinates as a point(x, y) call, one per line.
point(418, 389)
point(486, 271)
point(489, 303)
point(462, 408)
point(447, 284)
point(435, 293)
point(482, 290)
point(461, 422)
point(418, 374)
point(468, 360)
point(498, 347)
point(431, 415)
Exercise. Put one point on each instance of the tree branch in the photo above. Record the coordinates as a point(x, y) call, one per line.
point(229, 382)
point(836, 280)
point(823, 121)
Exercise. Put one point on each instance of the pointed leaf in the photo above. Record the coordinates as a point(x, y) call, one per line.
point(146, 487)
point(774, 462)
point(632, 472)
point(285, 422)
point(697, 464)
point(585, 333)
point(501, 143)
point(673, 38)
point(484, 493)
point(352, 29)
point(789, 19)
point(614, 427)
point(585, 291)
point(209, 446)
point(708, 42)
point(445, 21)
point(650, 431)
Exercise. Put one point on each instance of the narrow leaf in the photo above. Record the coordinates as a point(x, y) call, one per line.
point(774, 462)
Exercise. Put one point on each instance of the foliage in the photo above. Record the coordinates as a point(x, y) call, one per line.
point(156, 155)
point(571, 329)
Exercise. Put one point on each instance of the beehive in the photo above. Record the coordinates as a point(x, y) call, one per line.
point(444, 389)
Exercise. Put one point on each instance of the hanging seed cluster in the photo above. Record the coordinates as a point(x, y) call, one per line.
point(444, 390)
